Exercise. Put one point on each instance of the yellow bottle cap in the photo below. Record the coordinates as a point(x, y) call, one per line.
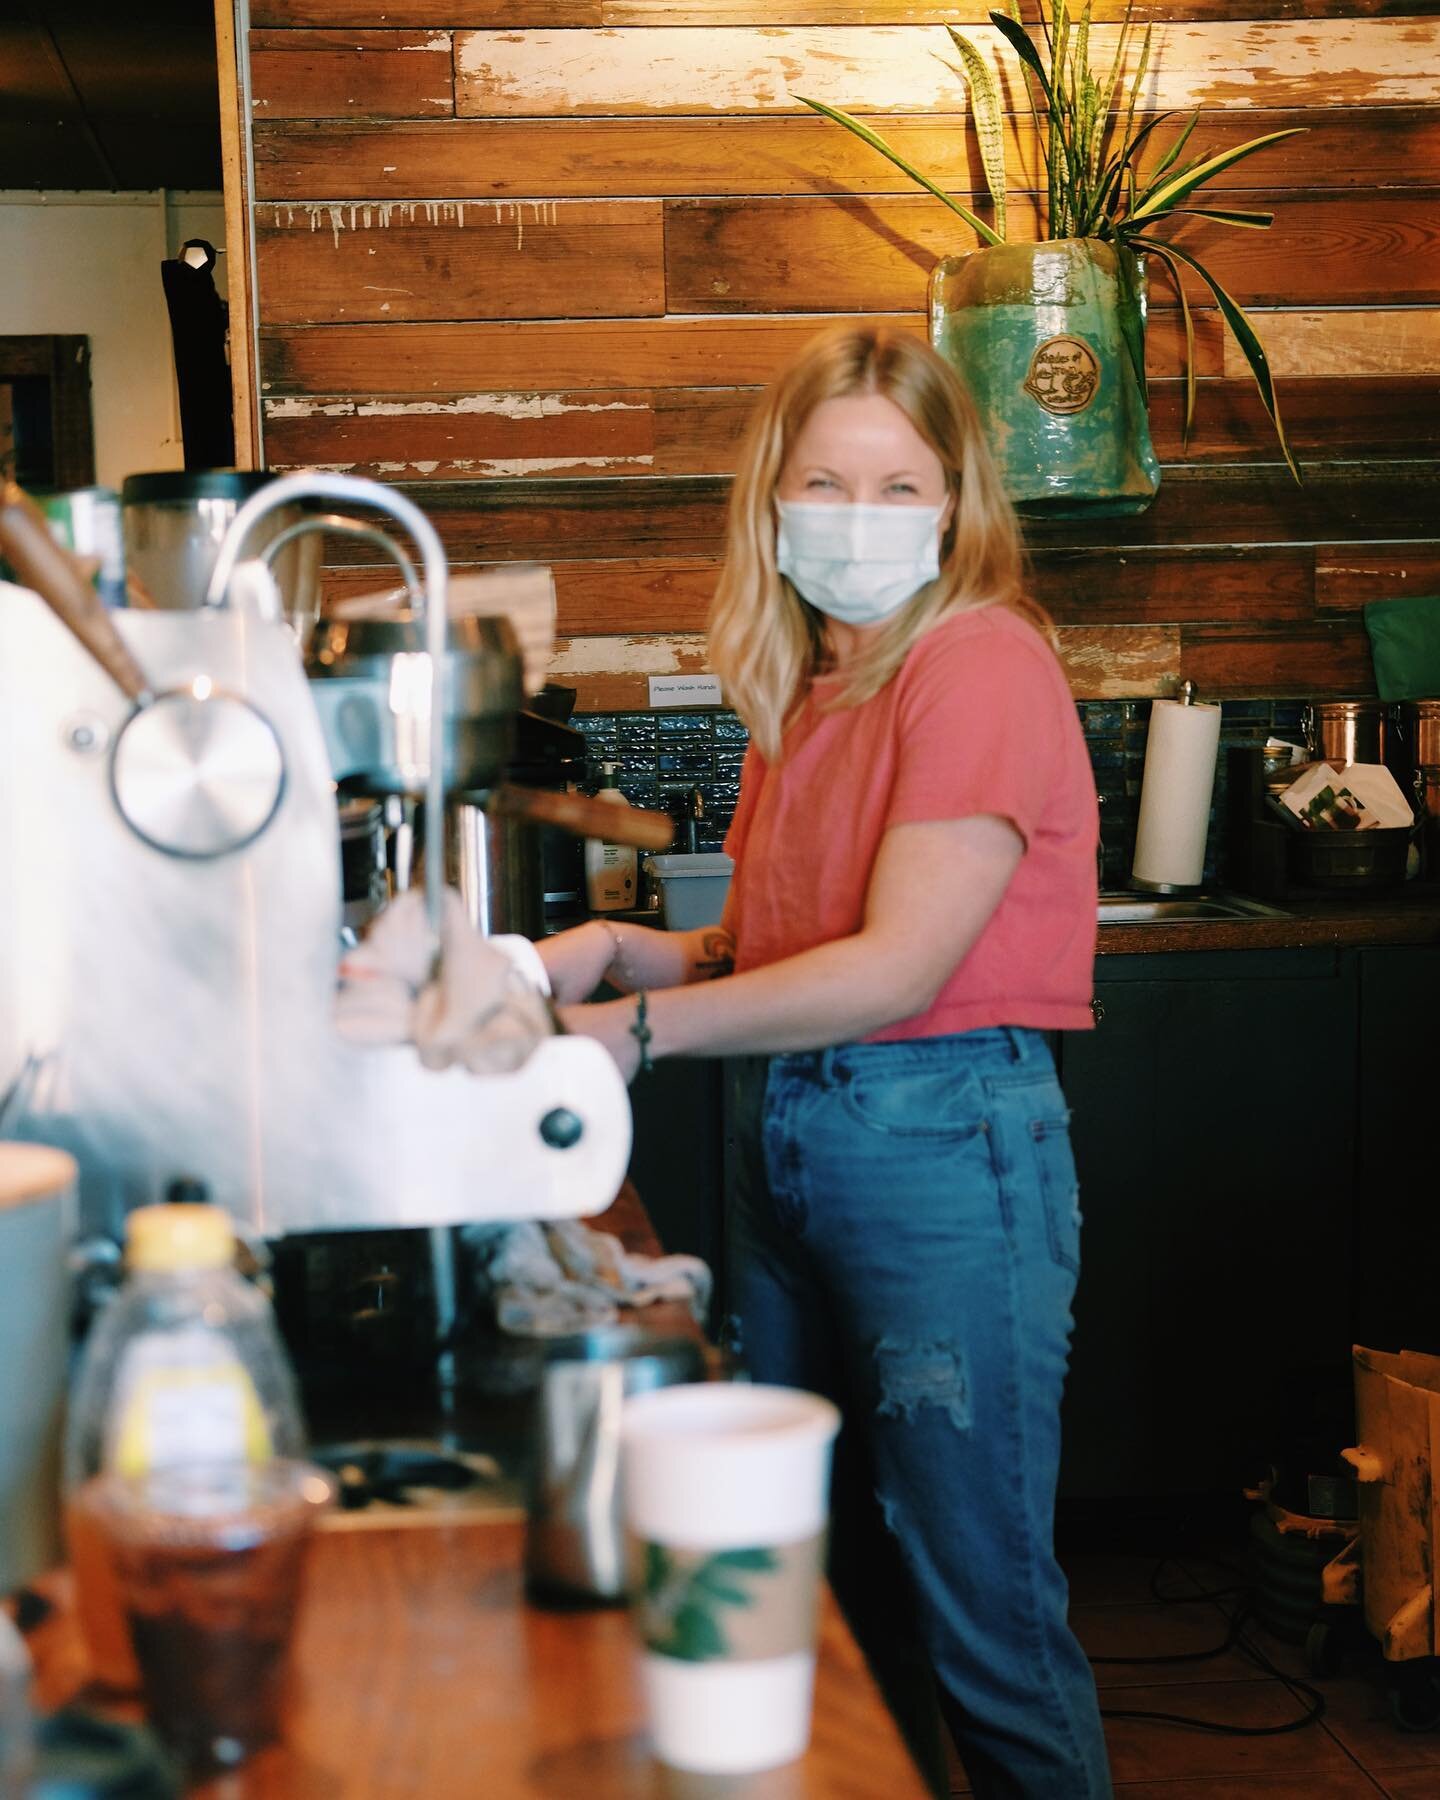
point(178, 1237)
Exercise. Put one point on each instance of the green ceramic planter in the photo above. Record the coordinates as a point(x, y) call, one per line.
point(1034, 329)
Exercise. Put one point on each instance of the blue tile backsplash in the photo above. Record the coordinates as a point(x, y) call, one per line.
point(663, 757)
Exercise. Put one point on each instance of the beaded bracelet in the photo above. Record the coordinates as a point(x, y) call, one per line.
point(642, 1033)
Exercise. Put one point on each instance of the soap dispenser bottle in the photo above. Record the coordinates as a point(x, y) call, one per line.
point(611, 870)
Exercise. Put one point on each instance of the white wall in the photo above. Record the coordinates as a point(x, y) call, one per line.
point(90, 263)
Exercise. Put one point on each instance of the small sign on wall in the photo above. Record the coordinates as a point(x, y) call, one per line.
point(685, 690)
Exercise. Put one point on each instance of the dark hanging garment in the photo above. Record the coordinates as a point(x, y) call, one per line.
point(198, 322)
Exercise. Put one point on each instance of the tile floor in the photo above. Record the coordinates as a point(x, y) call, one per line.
point(1354, 1752)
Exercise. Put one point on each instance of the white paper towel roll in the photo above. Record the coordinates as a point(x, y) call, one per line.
point(1180, 754)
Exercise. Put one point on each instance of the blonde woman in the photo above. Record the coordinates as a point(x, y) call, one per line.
point(912, 908)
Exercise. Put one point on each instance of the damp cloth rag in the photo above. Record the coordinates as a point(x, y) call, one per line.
point(549, 1280)
point(1405, 646)
point(484, 1006)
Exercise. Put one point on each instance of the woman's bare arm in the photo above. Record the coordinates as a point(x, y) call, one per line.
point(933, 890)
point(633, 956)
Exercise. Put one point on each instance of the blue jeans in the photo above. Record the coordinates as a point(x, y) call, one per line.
point(905, 1239)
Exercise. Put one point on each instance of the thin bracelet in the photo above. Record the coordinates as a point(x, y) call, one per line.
point(641, 1032)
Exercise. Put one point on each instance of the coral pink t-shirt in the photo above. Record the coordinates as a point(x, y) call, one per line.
point(977, 720)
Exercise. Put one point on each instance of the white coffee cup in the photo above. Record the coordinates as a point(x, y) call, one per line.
point(727, 1495)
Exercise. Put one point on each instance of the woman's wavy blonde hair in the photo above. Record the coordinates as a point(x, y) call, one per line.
point(766, 643)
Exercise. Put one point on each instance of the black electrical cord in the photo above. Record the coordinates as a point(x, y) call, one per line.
point(1234, 1639)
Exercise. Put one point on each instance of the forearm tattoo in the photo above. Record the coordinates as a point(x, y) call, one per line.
point(717, 955)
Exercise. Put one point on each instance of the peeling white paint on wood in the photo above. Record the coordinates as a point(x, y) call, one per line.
point(478, 468)
point(325, 468)
point(1365, 570)
point(1347, 576)
point(509, 406)
point(682, 654)
point(1114, 662)
point(385, 215)
point(505, 406)
point(911, 68)
point(309, 409)
point(1399, 341)
point(677, 70)
point(437, 40)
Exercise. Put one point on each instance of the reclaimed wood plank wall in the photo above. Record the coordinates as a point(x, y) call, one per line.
point(533, 258)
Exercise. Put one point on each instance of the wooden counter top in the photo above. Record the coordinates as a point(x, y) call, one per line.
point(420, 1671)
point(1409, 916)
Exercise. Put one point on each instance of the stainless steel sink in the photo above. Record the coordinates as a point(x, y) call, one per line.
point(1177, 909)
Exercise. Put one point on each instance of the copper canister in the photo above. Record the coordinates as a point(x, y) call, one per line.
point(1421, 720)
point(1419, 729)
point(1346, 731)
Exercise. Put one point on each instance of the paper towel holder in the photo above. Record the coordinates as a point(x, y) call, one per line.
point(1175, 796)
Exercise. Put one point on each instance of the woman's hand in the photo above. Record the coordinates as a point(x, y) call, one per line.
point(609, 1024)
point(576, 961)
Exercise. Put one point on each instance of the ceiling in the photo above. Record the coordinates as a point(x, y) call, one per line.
point(101, 94)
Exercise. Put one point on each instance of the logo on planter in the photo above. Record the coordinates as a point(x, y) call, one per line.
point(1064, 375)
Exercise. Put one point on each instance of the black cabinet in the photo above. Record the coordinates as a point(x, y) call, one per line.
point(1396, 1227)
point(1215, 1130)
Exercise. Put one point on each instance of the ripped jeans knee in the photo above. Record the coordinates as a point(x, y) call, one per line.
point(922, 1374)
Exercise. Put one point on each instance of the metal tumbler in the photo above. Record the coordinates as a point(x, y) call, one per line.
point(575, 1540)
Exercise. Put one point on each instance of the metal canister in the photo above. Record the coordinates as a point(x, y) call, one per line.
point(1421, 720)
point(86, 521)
point(575, 1540)
point(175, 520)
point(495, 863)
point(1346, 731)
point(1418, 723)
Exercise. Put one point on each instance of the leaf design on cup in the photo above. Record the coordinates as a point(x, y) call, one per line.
point(682, 1600)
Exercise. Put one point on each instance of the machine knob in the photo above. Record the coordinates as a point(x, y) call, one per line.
point(197, 773)
point(562, 1129)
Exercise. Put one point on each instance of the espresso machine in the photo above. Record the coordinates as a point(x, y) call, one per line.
point(171, 894)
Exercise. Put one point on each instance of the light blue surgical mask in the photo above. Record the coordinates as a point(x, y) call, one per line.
point(858, 564)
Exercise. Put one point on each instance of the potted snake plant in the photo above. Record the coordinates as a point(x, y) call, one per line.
point(1050, 336)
